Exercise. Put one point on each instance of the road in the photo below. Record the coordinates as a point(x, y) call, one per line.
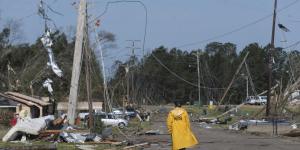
point(220, 139)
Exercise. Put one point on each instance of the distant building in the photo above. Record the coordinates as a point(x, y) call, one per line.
point(81, 106)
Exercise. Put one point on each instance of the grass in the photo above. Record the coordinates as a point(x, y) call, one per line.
point(59, 146)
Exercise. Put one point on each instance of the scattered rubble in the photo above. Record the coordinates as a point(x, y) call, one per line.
point(27, 126)
point(293, 133)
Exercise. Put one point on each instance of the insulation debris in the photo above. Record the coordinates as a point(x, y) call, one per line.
point(47, 42)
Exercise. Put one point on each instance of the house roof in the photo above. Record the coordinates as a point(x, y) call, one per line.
point(17, 99)
point(23, 97)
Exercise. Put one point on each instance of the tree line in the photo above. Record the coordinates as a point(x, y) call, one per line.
point(159, 77)
point(166, 74)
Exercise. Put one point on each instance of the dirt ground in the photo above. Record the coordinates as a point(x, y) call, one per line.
point(220, 139)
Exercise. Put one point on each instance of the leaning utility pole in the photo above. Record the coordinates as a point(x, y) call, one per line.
point(81, 22)
point(234, 76)
point(270, 60)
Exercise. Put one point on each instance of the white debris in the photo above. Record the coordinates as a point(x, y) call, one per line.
point(47, 84)
point(47, 42)
point(27, 125)
point(73, 137)
point(294, 126)
point(204, 125)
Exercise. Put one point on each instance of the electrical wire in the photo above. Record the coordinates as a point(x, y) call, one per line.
point(26, 17)
point(128, 1)
point(179, 77)
point(292, 45)
point(237, 29)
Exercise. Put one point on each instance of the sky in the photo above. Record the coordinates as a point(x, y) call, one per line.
point(171, 23)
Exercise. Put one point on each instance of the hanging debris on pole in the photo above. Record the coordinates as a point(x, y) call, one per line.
point(47, 43)
point(47, 84)
point(282, 27)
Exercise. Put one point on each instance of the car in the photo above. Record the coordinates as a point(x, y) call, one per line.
point(130, 112)
point(117, 111)
point(256, 100)
point(110, 120)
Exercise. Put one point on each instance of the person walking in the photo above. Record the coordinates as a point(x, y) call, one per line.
point(179, 127)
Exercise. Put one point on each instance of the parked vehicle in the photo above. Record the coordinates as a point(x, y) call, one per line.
point(110, 120)
point(256, 100)
point(130, 112)
point(120, 113)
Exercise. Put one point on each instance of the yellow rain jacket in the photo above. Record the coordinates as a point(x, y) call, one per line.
point(179, 127)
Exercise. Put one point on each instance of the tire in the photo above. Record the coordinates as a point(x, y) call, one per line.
point(121, 125)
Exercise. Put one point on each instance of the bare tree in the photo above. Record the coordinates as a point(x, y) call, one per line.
point(16, 33)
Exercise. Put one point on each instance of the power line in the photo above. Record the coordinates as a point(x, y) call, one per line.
point(179, 77)
point(128, 1)
point(292, 45)
point(237, 29)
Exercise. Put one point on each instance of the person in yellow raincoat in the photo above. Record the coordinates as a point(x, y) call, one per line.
point(179, 127)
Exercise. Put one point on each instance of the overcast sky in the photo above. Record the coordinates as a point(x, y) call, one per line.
point(172, 23)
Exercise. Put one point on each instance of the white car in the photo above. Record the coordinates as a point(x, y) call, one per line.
point(111, 120)
point(256, 100)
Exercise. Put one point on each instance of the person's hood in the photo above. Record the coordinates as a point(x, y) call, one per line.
point(177, 112)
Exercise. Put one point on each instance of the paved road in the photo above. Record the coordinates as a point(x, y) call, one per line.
point(219, 139)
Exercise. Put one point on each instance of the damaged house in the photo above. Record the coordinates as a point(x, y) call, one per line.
point(16, 102)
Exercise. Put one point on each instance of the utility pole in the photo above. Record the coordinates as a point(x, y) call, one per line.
point(81, 22)
point(270, 60)
point(131, 63)
point(87, 54)
point(199, 80)
point(8, 77)
point(247, 84)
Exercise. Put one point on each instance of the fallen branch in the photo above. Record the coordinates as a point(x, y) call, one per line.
point(136, 145)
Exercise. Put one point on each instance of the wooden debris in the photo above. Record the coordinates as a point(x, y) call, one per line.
point(293, 133)
point(136, 145)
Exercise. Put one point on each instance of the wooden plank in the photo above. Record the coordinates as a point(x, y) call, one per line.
point(136, 145)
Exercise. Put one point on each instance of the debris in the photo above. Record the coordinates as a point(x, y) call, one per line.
point(293, 133)
point(204, 125)
point(73, 137)
point(139, 117)
point(106, 133)
point(97, 138)
point(294, 126)
point(234, 126)
point(47, 42)
point(23, 139)
point(282, 27)
point(152, 132)
point(28, 126)
point(136, 145)
point(47, 84)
